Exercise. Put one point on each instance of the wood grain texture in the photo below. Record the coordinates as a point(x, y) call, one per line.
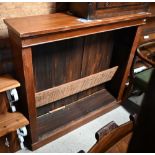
point(3, 147)
point(7, 83)
point(74, 111)
point(55, 64)
point(97, 53)
point(152, 9)
point(107, 141)
point(112, 11)
point(10, 122)
point(3, 103)
point(74, 87)
point(28, 80)
point(49, 28)
point(121, 52)
point(121, 146)
point(24, 73)
point(8, 131)
point(129, 63)
point(105, 130)
point(51, 37)
point(44, 24)
point(150, 38)
point(92, 10)
point(14, 145)
point(149, 28)
point(100, 103)
point(50, 136)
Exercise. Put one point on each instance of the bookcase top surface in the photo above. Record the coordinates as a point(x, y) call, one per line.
point(43, 24)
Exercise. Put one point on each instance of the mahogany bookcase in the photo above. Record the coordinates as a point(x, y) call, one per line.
point(71, 71)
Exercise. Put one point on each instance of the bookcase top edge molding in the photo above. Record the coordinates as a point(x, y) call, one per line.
point(57, 22)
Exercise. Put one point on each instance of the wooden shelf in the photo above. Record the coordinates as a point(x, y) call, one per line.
point(74, 115)
point(10, 122)
point(7, 83)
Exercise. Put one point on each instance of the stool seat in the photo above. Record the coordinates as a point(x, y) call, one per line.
point(7, 83)
point(10, 122)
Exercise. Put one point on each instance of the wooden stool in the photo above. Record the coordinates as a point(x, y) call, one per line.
point(9, 121)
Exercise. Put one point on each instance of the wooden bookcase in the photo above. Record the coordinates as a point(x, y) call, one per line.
point(71, 71)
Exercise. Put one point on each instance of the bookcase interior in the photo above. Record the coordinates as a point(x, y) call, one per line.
point(61, 62)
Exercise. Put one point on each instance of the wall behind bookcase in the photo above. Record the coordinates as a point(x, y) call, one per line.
point(17, 9)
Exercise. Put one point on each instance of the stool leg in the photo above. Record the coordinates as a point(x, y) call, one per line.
point(3, 103)
point(22, 132)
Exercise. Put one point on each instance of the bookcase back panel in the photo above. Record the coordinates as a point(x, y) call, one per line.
point(61, 62)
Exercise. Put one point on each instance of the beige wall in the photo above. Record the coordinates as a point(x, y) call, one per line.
point(16, 9)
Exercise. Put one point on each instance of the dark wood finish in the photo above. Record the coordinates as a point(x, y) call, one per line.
point(49, 61)
point(24, 73)
point(3, 103)
point(111, 138)
point(99, 60)
point(13, 143)
point(74, 87)
point(149, 27)
point(47, 64)
point(147, 57)
point(121, 44)
point(6, 65)
point(92, 10)
point(61, 7)
point(152, 9)
point(121, 146)
point(147, 38)
point(52, 135)
point(148, 30)
point(129, 63)
point(50, 52)
point(3, 147)
point(116, 4)
point(73, 111)
point(105, 130)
